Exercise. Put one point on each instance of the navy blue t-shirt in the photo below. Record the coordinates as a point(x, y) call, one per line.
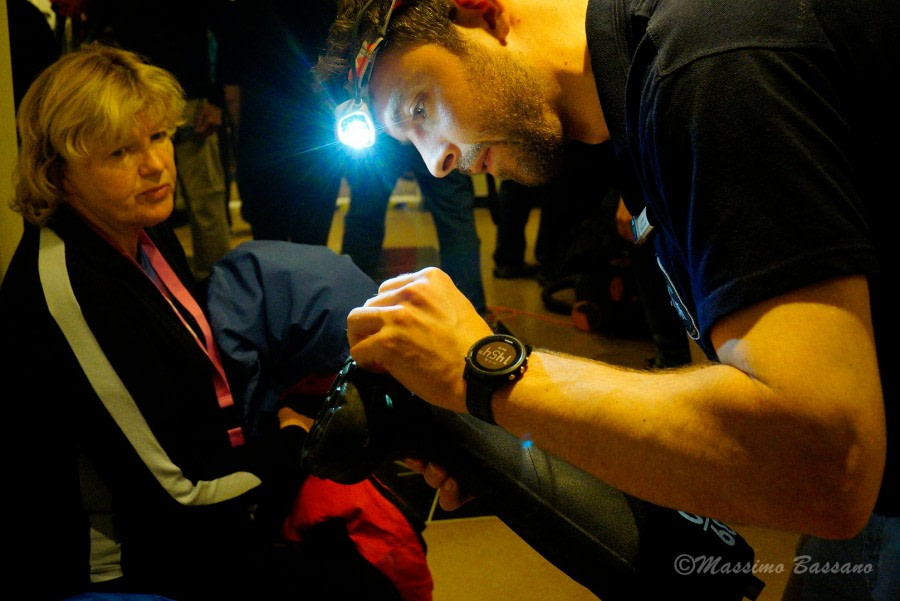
point(761, 139)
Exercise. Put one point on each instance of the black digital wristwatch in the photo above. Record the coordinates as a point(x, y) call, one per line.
point(492, 363)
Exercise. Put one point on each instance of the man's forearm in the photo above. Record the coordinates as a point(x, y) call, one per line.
point(705, 439)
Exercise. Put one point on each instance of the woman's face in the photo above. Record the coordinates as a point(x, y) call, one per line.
point(123, 188)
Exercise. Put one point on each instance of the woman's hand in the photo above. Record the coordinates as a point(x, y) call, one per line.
point(289, 417)
point(449, 495)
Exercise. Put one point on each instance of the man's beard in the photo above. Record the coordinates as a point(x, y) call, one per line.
point(513, 117)
point(535, 159)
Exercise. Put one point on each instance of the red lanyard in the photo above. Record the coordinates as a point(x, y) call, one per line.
point(170, 286)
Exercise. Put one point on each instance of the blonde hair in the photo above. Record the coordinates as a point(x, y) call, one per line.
point(90, 97)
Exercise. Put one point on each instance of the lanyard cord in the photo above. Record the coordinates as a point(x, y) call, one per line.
point(170, 286)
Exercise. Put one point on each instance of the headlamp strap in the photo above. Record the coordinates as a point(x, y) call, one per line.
point(358, 77)
point(364, 60)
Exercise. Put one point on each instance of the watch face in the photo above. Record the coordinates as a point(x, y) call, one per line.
point(496, 355)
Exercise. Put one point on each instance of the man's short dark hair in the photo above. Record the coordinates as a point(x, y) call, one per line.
point(415, 22)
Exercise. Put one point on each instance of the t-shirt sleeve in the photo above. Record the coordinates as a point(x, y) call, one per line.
point(748, 154)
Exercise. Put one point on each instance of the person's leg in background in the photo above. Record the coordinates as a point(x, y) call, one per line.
point(293, 203)
point(316, 184)
point(514, 204)
point(372, 175)
point(451, 200)
point(288, 178)
point(201, 182)
point(670, 341)
point(262, 206)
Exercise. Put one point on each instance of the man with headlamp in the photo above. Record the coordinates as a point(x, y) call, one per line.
point(752, 140)
point(372, 172)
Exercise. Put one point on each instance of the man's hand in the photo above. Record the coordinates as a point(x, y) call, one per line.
point(623, 221)
point(418, 328)
point(436, 477)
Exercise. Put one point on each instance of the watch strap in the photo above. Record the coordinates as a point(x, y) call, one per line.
point(480, 387)
point(478, 400)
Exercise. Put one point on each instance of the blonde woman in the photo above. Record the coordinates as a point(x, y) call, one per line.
point(131, 470)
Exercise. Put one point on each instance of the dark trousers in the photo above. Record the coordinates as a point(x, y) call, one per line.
point(372, 176)
point(289, 169)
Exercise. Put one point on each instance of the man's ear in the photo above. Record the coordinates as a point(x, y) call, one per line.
point(490, 15)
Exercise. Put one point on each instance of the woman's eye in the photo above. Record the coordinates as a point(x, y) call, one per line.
point(118, 153)
point(159, 136)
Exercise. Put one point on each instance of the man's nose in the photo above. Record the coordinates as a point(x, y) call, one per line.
point(440, 158)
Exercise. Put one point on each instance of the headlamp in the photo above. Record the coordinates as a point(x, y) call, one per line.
point(355, 127)
point(353, 118)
